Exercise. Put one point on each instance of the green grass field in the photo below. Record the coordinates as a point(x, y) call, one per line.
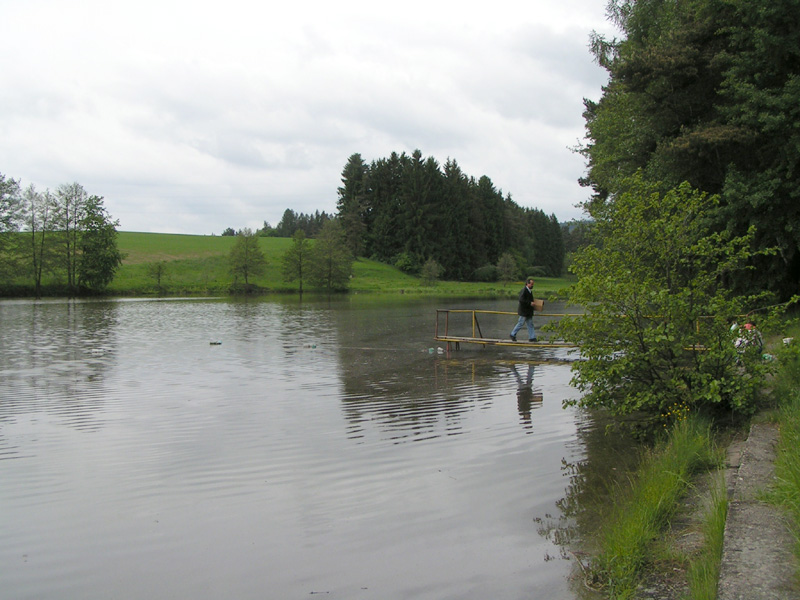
point(198, 265)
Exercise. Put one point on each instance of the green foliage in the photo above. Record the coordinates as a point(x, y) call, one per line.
point(158, 271)
point(351, 205)
point(707, 91)
point(291, 222)
point(68, 235)
point(431, 272)
point(198, 265)
point(10, 204)
point(70, 202)
point(406, 209)
point(295, 261)
point(99, 255)
point(486, 273)
point(703, 574)
point(331, 262)
point(406, 263)
point(536, 271)
point(507, 268)
point(787, 464)
point(641, 511)
point(657, 328)
point(246, 257)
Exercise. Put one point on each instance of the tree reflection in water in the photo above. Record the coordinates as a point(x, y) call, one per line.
point(611, 454)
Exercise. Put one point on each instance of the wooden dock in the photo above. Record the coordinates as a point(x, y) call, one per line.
point(454, 342)
point(475, 336)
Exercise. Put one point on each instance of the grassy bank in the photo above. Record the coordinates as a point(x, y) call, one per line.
point(642, 509)
point(198, 265)
point(787, 464)
point(634, 537)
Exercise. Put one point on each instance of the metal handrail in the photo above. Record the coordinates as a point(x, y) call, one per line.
point(475, 312)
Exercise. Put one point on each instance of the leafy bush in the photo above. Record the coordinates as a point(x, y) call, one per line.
point(431, 272)
point(536, 271)
point(406, 263)
point(657, 329)
point(487, 273)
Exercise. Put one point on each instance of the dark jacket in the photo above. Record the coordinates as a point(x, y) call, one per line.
point(525, 298)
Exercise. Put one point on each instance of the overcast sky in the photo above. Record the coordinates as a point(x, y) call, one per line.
point(194, 116)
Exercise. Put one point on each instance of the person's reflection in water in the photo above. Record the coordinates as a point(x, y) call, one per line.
point(527, 399)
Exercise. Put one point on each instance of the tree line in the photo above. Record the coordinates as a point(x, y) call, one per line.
point(707, 92)
point(291, 222)
point(425, 219)
point(66, 236)
point(326, 263)
point(407, 210)
point(693, 230)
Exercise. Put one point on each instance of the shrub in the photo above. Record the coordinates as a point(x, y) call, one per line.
point(487, 273)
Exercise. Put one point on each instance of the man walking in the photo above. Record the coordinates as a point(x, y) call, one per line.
point(525, 312)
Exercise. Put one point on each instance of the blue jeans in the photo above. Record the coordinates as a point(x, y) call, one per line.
point(524, 321)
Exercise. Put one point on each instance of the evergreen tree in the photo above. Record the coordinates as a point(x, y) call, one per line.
point(384, 233)
point(287, 225)
point(352, 203)
point(407, 210)
point(706, 91)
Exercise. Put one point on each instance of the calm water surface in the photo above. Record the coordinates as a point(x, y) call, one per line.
point(314, 448)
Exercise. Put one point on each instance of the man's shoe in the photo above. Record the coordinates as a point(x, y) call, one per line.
point(513, 338)
point(533, 340)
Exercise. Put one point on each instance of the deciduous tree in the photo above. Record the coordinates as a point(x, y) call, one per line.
point(295, 261)
point(70, 209)
point(657, 327)
point(10, 213)
point(431, 272)
point(38, 209)
point(331, 261)
point(158, 272)
point(246, 257)
point(507, 268)
point(99, 255)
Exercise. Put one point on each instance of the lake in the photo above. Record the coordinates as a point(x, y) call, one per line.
point(273, 448)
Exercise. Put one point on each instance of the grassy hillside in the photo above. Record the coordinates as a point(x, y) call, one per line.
point(197, 265)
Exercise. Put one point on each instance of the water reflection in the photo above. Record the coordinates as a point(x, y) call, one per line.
point(55, 357)
point(322, 445)
point(528, 399)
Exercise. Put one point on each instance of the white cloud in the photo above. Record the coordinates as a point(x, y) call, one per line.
point(195, 116)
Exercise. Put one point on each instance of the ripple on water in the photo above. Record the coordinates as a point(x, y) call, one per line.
point(316, 448)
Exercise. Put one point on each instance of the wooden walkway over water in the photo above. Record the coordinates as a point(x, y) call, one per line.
point(472, 334)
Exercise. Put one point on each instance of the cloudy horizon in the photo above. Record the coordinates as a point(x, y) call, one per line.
point(194, 117)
